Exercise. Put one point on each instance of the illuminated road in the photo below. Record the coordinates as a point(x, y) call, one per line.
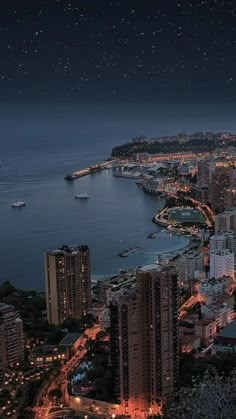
point(42, 412)
point(191, 302)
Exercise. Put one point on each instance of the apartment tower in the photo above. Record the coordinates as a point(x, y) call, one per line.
point(144, 342)
point(226, 221)
point(221, 263)
point(204, 172)
point(11, 338)
point(68, 283)
point(221, 181)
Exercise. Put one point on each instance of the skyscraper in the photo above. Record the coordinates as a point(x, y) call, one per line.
point(204, 172)
point(68, 283)
point(11, 337)
point(220, 182)
point(144, 342)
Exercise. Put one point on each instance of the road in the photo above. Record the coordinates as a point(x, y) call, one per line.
point(42, 412)
point(188, 304)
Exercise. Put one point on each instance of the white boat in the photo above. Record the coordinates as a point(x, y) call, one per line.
point(82, 196)
point(18, 204)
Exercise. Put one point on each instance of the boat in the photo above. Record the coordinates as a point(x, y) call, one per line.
point(129, 175)
point(152, 235)
point(82, 196)
point(18, 204)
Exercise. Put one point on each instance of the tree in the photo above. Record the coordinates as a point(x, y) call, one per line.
point(212, 397)
point(73, 325)
point(6, 289)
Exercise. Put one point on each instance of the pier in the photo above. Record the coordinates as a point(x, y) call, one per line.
point(88, 171)
point(127, 252)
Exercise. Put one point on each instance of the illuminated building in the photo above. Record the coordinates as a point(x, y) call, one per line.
point(68, 283)
point(144, 342)
point(11, 337)
point(204, 172)
point(220, 182)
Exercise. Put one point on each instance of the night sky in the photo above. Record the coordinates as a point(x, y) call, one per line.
point(118, 50)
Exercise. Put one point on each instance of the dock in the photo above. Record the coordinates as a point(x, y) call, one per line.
point(126, 253)
point(88, 171)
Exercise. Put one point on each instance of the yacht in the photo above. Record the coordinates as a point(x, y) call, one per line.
point(82, 196)
point(18, 204)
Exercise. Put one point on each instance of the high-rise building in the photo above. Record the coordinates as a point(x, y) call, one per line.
point(11, 337)
point(144, 342)
point(68, 283)
point(226, 221)
point(204, 172)
point(221, 180)
point(221, 263)
point(200, 193)
point(189, 266)
point(230, 198)
point(222, 241)
point(126, 355)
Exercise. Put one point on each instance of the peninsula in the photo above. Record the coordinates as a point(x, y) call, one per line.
point(198, 142)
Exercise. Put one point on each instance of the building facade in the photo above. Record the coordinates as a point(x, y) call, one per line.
point(222, 241)
point(144, 342)
point(221, 263)
point(200, 193)
point(204, 172)
point(220, 182)
point(211, 289)
point(189, 266)
point(11, 338)
point(226, 221)
point(68, 283)
point(206, 329)
point(230, 198)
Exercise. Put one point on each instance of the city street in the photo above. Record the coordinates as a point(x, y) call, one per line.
point(188, 304)
point(43, 412)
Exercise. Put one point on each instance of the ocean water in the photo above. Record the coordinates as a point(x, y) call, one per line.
point(39, 144)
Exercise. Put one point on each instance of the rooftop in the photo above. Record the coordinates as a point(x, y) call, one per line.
point(70, 339)
point(205, 322)
point(229, 331)
point(227, 212)
point(68, 250)
point(154, 267)
point(151, 267)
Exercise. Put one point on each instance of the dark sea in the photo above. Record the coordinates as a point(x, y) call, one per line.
point(39, 144)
